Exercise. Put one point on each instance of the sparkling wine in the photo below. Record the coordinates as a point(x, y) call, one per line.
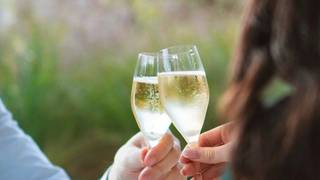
point(148, 110)
point(185, 97)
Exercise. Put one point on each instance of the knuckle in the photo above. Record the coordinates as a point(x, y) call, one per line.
point(210, 155)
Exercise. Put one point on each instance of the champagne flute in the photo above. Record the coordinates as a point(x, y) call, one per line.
point(145, 99)
point(184, 90)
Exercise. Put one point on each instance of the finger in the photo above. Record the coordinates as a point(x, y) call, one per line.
point(207, 172)
point(133, 163)
point(143, 153)
point(184, 160)
point(214, 172)
point(133, 150)
point(158, 152)
point(163, 167)
point(198, 175)
point(188, 170)
point(138, 140)
point(211, 137)
point(191, 169)
point(202, 177)
point(216, 136)
point(209, 155)
point(174, 174)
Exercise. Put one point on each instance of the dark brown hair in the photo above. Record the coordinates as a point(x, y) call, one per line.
point(280, 39)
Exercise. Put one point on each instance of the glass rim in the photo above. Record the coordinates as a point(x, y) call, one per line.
point(186, 49)
point(148, 54)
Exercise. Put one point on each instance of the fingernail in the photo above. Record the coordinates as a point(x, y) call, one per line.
point(191, 153)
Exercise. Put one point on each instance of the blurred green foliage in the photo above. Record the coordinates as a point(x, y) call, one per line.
point(77, 108)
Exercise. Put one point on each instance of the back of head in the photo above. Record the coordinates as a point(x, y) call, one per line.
point(280, 39)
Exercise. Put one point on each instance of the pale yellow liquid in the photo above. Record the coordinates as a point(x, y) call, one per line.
point(185, 97)
point(148, 110)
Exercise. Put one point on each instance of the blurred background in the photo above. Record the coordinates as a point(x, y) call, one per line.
point(66, 67)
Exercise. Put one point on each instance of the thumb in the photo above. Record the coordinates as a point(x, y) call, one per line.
point(131, 154)
point(209, 155)
point(130, 158)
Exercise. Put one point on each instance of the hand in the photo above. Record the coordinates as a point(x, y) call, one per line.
point(215, 147)
point(135, 161)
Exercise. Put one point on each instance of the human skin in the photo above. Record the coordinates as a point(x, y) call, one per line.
point(135, 160)
point(214, 151)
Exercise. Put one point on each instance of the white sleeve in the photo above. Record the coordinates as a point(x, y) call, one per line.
point(20, 157)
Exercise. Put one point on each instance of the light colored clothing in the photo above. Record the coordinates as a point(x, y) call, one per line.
point(106, 174)
point(20, 157)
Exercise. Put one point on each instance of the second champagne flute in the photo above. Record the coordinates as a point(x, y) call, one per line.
point(184, 91)
point(145, 99)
